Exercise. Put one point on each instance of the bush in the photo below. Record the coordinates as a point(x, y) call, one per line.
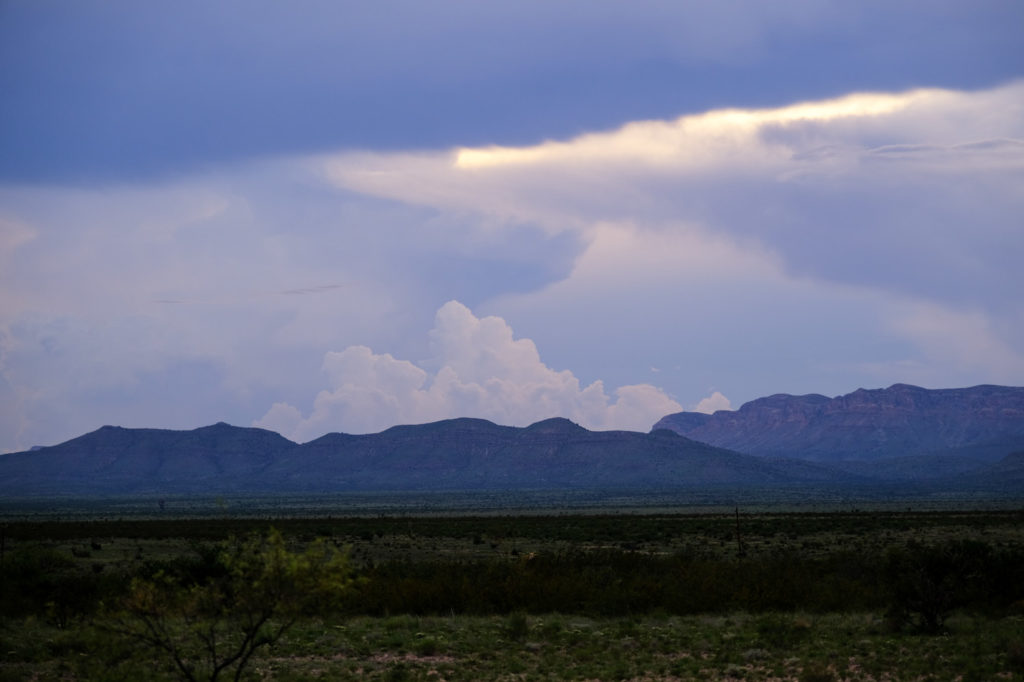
point(927, 583)
point(45, 582)
point(213, 625)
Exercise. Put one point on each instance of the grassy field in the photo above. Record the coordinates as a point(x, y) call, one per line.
point(651, 596)
point(734, 646)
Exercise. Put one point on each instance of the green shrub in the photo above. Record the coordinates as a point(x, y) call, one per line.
point(214, 625)
point(45, 582)
point(927, 582)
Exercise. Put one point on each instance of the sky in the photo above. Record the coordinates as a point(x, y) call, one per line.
point(342, 216)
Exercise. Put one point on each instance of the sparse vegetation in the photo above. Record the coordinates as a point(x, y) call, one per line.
point(838, 596)
point(212, 620)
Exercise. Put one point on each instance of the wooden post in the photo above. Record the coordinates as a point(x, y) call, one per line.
point(739, 537)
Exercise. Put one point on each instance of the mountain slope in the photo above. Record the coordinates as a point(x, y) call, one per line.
point(981, 423)
point(1007, 473)
point(141, 460)
point(473, 454)
point(456, 454)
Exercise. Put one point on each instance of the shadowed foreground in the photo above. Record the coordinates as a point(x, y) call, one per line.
point(840, 596)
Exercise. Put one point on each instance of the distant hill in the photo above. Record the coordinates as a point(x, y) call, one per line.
point(902, 437)
point(892, 429)
point(456, 454)
point(114, 459)
point(1007, 473)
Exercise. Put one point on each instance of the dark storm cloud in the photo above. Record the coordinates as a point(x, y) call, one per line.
point(97, 91)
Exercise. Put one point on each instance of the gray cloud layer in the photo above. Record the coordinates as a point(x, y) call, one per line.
point(98, 91)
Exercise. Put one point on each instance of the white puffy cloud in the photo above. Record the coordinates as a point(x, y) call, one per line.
point(482, 371)
point(714, 402)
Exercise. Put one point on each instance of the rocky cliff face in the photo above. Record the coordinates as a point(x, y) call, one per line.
point(983, 422)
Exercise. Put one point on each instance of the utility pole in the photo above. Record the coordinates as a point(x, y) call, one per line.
point(739, 538)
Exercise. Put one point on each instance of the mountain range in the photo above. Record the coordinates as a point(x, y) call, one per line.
point(983, 422)
point(455, 454)
point(902, 435)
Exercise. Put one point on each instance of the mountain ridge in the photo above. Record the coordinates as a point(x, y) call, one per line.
point(946, 439)
point(982, 422)
point(456, 454)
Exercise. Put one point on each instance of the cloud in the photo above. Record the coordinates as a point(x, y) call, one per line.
point(909, 195)
point(250, 272)
point(818, 179)
point(482, 370)
point(714, 402)
point(451, 73)
point(695, 141)
point(813, 247)
point(12, 235)
point(966, 340)
point(710, 310)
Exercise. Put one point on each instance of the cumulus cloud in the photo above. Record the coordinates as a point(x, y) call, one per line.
point(714, 402)
point(483, 370)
